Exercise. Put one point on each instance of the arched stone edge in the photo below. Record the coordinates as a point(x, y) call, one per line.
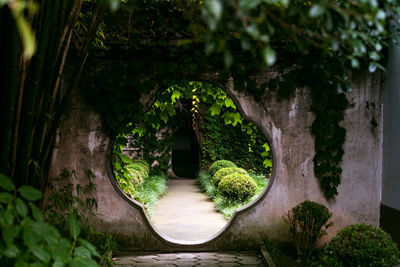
point(181, 244)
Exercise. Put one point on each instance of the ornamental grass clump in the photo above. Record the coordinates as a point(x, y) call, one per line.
point(221, 173)
point(361, 245)
point(307, 221)
point(237, 186)
point(219, 164)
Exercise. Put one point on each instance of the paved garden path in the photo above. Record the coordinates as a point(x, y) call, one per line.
point(185, 213)
point(210, 259)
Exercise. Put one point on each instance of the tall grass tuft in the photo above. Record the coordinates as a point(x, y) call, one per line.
point(151, 190)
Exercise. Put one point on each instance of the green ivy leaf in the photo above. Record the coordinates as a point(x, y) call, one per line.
point(6, 183)
point(30, 193)
point(215, 109)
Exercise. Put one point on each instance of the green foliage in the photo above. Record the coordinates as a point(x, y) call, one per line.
point(221, 173)
point(307, 221)
point(151, 190)
point(140, 168)
point(219, 164)
point(228, 206)
point(144, 163)
point(313, 46)
point(28, 240)
point(361, 245)
point(78, 200)
point(237, 186)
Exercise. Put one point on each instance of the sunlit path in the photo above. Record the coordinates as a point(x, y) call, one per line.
point(185, 213)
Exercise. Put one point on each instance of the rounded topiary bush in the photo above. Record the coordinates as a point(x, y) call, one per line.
point(219, 164)
point(136, 177)
point(361, 245)
point(142, 162)
point(221, 173)
point(140, 169)
point(237, 186)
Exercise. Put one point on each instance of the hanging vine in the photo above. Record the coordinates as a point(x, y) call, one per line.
point(313, 45)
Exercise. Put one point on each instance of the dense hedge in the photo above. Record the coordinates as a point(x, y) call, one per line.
point(140, 168)
point(237, 186)
point(361, 245)
point(219, 164)
point(221, 173)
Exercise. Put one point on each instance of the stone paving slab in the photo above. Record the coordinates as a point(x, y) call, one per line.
point(211, 259)
point(185, 213)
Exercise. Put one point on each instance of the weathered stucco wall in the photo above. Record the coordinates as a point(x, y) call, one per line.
point(84, 145)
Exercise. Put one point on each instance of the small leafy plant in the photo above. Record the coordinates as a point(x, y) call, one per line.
point(307, 223)
point(28, 240)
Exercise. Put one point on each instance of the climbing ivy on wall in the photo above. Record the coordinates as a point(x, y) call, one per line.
point(312, 45)
point(222, 131)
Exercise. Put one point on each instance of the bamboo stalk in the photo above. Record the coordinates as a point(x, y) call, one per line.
point(9, 83)
point(32, 92)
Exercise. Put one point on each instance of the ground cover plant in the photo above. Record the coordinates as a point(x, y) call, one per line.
point(151, 190)
point(227, 205)
point(137, 180)
point(28, 239)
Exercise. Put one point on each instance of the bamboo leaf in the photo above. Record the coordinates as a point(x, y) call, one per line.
point(27, 36)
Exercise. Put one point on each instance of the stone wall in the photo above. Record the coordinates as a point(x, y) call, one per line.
point(84, 145)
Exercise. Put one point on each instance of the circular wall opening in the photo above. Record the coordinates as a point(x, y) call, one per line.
point(223, 134)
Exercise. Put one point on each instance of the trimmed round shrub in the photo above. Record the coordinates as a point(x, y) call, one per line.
point(219, 164)
point(140, 169)
point(142, 162)
point(221, 173)
point(136, 177)
point(361, 245)
point(237, 186)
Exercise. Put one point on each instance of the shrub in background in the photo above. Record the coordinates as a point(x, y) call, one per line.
point(307, 221)
point(361, 245)
point(237, 186)
point(135, 176)
point(221, 173)
point(142, 162)
point(219, 164)
point(140, 169)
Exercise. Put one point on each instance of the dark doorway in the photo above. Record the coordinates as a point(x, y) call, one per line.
point(185, 152)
